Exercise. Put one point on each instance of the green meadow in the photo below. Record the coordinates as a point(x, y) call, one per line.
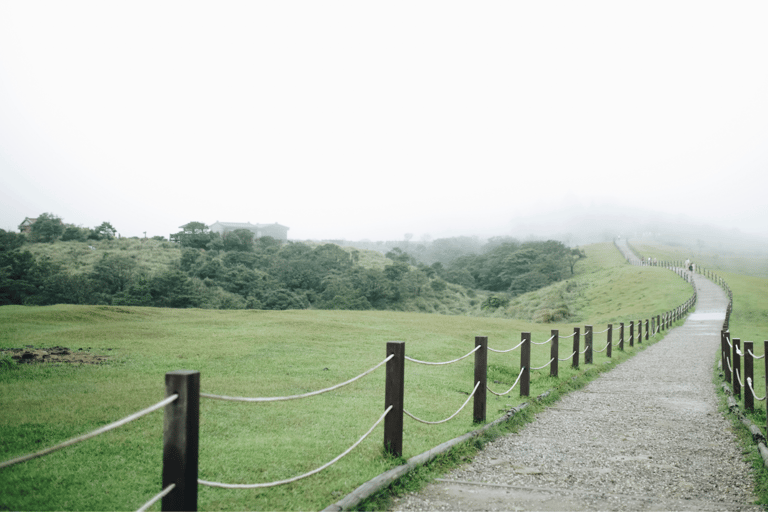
point(277, 353)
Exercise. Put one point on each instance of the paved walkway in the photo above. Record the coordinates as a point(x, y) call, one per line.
point(646, 435)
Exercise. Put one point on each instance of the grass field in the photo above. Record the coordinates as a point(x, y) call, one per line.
point(270, 353)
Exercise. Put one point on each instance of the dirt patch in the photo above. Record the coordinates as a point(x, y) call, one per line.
point(31, 355)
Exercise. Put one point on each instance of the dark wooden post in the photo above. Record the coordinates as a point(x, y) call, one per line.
point(749, 399)
point(393, 395)
point(181, 440)
point(631, 333)
point(588, 344)
point(725, 356)
point(765, 360)
point(575, 347)
point(658, 323)
point(481, 376)
point(525, 364)
point(554, 353)
point(736, 363)
point(609, 340)
point(621, 336)
point(646, 330)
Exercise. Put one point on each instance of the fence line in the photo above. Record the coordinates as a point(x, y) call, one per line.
point(443, 363)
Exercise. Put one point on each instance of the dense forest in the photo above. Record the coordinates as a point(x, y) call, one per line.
point(56, 264)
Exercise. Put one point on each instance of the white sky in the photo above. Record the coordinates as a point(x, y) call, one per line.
point(363, 119)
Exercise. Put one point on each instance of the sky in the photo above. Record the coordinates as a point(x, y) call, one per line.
point(369, 120)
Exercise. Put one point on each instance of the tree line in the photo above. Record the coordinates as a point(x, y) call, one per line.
point(237, 271)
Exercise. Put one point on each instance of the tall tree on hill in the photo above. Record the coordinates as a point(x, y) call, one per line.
point(193, 234)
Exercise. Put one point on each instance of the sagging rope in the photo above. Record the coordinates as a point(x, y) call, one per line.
point(543, 342)
point(749, 384)
point(738, 378)
point(84, 437)
point(289, 480)
point(542, 367)
point(448, 418)
point(510, 389)
point(508, 350)
point(157, 498)
point(585, 349)
point(604, 348)
point(569, 336)
point(293, 397)
point(446, 362)
point(754, 356)
point(570, 356)
point(601, 332)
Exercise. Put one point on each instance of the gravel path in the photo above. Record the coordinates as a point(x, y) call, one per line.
point(646, 435)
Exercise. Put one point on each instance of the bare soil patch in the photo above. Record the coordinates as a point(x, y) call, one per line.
point(32, 355)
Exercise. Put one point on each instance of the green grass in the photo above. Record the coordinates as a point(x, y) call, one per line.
point(266, 353)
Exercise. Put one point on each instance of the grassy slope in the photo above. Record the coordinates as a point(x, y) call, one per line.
point(264, 353)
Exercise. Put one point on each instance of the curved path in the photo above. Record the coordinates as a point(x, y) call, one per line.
point(646, 435)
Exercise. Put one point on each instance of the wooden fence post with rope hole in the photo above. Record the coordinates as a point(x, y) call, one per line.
point(576, 335)
point(525, 364)
point(749, 398)
point(588, 344)
point(609, 345)
point(554, 353)
point(481, 376)
point(395, 385)
point(631, 333)
point(736, 363)
point(181, 440)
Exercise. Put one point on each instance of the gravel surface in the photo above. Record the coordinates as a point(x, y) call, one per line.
point(646, 435)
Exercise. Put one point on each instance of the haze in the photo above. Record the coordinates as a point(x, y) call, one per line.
point(360, 120)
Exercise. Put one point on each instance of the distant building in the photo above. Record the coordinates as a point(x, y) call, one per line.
point(276, 231)
point(26, 225)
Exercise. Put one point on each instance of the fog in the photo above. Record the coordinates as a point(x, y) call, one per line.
point(350, 120)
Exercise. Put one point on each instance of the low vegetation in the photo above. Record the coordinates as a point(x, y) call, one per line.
point(267, 353)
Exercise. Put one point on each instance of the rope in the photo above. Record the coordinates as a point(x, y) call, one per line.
point(569, 336)
point(448, 418)
point(293, 397)
point(728, 360)
point(738, 377)
point(157, 498)
point(728, 341)
point(601, 332)
point(585, 349)
point(604, 348)
point(543, 342)
point(510, 389)
point(738, 351)
point(105, 428)
point(754, 356)
point(570, 356)
point(540, 367)
point(505, 351)
point(749, 383)
point(289, 480)
point(446, 362)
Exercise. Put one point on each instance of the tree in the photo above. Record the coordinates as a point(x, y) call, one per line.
point(47, 228)
point(105, 231)
point(238, 240)
point(75, 233)
point(193, 234)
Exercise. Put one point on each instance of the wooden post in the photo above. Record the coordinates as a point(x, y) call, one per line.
point(726, 355)
point(609, 340)
point(621, 336)
point(525, 364)
point(631, 333)
point(575, 347)
point(765, 360)
point(181, 440)
point(658, 323)
point(393, 395)
point(736, 363)
point(481, 376)
point(646, 330)
point(588, 344)
point(749, 398)
point(554, 353)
